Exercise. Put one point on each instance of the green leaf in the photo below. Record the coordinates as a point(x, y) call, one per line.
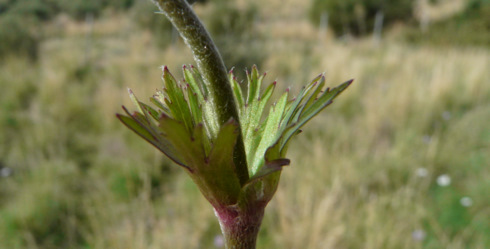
point(178, 104)
point(237, 92)
point(269, 168)
point(196, 111)
point(313, 97)
point(219, 171)
point(159, 142)
point(250, 132)
point(139, 105)
point(180, 139)
point(323, 101)
point(160, 104)
point(269, 134)
point(307, 97)
point(293, 108)
point(197, 86)
point(254, 83)
point(327, 96)
point(257, 109)
point(210, 119)
point(148, 109)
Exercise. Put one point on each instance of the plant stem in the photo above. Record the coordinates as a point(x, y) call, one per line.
point(240, 227)
point(212, 68)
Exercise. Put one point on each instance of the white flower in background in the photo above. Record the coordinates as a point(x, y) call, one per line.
point(466, 201)
point(444, 180)
point(219, 241)
point(5, 172)
point(422, 172)
point(446, 115)
point(418, 235)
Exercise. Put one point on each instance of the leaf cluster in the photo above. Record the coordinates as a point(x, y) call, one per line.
point(185, 128)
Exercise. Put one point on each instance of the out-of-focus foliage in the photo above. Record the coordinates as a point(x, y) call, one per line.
point(470, 27)
point(146, 17)
point(230, 24)
point(43, 10)
point(80, 8)
point(21, 20)
point(46, 9)
point(357, 17)
point(19, 36)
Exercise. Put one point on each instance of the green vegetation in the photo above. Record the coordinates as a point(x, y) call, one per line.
point(364, 175)
point(19, 36)
point(21, 21)
point(357, 17)
point(160, 28)
point(230, 24)
point(469, 28)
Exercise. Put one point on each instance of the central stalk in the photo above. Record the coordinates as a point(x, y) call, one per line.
point(212, 68)
point(240, 227)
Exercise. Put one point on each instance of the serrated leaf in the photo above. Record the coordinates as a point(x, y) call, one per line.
point(178, 104)
point(180, 139)
point(196, 111)
point(314, 86)
point(312, 98)
point(257, 110)
point(327, 96)
point(197, 87)
point(293, 109)
point(270, 133)
point(237, 92)
point(219, 171)
point(134, 100)
point(254, 84)
point(160, 143)
point(148, 109)
point(269, 168)
point(323, 101)
point(160, 105)
point(138, 105)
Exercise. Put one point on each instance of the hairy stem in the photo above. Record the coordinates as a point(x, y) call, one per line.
point(240, 227)
point(212, 68)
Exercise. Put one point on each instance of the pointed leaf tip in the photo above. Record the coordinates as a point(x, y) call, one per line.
point(269, 168)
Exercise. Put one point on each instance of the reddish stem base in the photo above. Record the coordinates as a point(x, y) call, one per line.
point(240, 227)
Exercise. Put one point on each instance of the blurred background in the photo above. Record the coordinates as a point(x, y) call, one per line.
point(400, 160)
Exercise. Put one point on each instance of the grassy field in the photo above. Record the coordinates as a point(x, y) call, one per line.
point(400, 160)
